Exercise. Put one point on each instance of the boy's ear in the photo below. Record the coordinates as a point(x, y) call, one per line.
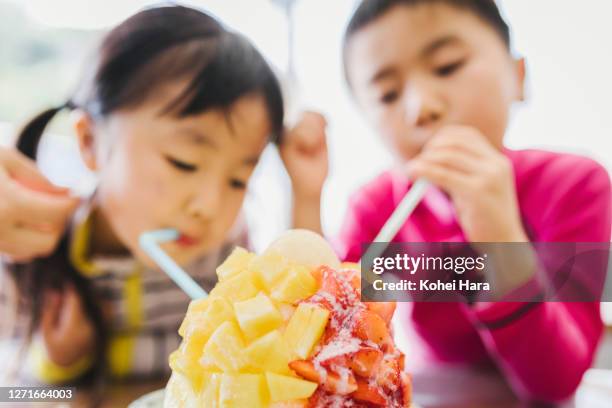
point(84, 129)
point(521, 74)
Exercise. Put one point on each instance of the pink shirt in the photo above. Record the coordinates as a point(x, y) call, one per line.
point(542, 349)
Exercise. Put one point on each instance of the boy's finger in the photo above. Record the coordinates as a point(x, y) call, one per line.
point(461, 138)
point(451, 159)
point(447, 179)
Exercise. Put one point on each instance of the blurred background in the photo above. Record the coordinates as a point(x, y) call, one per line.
point(45, 44)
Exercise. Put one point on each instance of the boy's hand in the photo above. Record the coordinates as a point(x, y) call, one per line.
point(33, 212)
point(479, 179)
point(67, 333)
point(304, 153)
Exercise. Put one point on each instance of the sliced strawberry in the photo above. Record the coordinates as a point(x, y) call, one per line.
point(368, 393)
point(318, 275)
point(365, 361)
point(388, 375)
point(383, 309)
point(406, 389)
point(401, 359)
point(370, 326)
point(332, 381)
point(352, 276)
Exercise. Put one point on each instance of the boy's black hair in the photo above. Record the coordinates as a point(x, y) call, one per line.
point(369, 10)
point(155, 47)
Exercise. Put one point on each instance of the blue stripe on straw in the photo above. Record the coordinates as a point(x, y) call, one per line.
point(149, 243)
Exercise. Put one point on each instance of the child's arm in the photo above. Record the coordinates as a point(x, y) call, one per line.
point(304, 153)
point(545, 348)
point(64, 349)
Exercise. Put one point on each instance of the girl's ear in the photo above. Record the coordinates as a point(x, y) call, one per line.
point(521, 74)
point(84, 128)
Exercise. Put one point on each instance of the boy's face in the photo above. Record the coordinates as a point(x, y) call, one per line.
point(457, 65)
point(157, 171)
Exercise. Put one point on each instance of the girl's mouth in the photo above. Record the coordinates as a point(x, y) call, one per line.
point(187, 241)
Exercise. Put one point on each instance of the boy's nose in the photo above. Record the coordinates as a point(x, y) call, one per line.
point(422, 108)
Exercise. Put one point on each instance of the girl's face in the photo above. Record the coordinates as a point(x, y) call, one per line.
point(158, 171)
point(456, 64)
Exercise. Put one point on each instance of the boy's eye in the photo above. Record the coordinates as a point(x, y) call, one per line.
point(389, 97)
point(181, 165)
point(449, 69)
point(237, 184)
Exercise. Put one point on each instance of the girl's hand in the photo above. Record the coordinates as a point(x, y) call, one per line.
point(67, 333)
point(304, 153)
point(479, 180)
point(33, 212)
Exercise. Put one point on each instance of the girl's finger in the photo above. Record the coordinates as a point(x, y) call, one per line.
point(71, 315)
point(50, 315)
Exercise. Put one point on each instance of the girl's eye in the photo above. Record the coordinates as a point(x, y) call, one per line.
point(389, 97)
point(237, 184)
point(449, 69)
point(181, 165)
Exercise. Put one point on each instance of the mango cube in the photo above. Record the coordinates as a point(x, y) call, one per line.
point(284, 388)
point(237, 262)
point(200, 324)
point(271, 267)
point(305, 328)
point(210, 390)
point(296, 285)
point(180, 393)
point(224, 350)
point(257, 316)
point(237, 288)
point(270, 353)
point(242, 390)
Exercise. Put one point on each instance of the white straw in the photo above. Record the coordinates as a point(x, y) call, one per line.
point(149, 242)
point(398, 218)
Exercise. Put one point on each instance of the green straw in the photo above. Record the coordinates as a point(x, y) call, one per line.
point(149, 242)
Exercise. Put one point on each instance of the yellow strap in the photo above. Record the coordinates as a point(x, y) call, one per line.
point(133, 298)
point(121, 346)
point(79, 246)
point(52, 373)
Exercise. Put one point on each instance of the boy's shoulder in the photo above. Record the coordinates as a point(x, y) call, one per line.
point(562, 170)
point(378, 191)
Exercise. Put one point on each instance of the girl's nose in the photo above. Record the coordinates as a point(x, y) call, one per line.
point(205, 203)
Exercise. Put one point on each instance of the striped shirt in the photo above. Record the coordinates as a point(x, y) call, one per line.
point(143, 307)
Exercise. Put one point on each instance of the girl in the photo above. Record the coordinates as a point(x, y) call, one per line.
point(455, 54)
point(172, 119)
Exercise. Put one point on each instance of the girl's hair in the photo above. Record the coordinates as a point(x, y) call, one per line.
point(155, 47)
point(370, 10)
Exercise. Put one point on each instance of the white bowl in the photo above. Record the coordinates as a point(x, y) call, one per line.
point(153, 399)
